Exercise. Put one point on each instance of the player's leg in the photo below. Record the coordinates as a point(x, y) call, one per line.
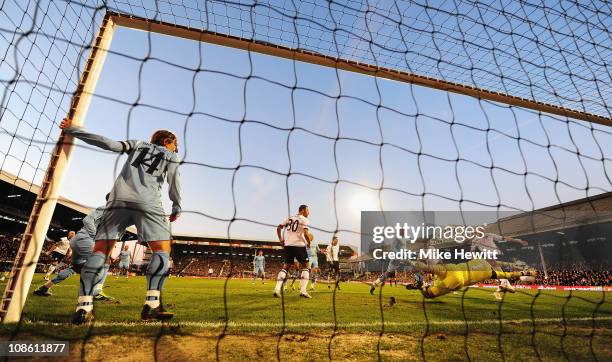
point(44, 290)
point(499, 274)
point(337, 274)
point(52, 266)
point(154, 229)
point(389, 273)
point(281, 277)
point(304, 279)
point(314, 269)
point(503, 286)
point(296, 273)
point(330, 268)
point(506, 286)
point(504, 283)
point(156, 274)
point(112, 226)
point(302, 258)
point(98, 292)
point(282, 274)
point(313, 278)
point(91, 274)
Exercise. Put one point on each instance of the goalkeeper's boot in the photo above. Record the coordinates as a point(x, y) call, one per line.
point(43, 292)
point(104, 297)
point(82, 316)
point(158, 313)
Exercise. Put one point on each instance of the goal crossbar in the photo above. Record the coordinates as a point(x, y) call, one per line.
point(161, 27)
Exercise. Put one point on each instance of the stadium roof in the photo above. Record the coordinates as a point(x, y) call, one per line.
point(587, 211)
point(18, 196)
point(19, 183)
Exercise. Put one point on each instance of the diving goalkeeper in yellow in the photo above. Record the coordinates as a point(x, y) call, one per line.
point(451, 277)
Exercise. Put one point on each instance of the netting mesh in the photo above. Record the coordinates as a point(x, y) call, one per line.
point(261, 135)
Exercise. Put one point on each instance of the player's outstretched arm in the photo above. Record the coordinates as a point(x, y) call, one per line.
point(94, 139)
point(174, 189)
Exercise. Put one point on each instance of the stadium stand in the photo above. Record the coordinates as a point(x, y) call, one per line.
point(576, 246)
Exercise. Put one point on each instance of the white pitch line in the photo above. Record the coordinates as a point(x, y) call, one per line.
point(233, 324)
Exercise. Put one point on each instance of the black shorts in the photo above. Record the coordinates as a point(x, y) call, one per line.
point(55, 256)
point(295, 253)
point(334, 266)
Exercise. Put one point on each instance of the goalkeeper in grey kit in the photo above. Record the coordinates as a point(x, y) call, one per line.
point(134, 200)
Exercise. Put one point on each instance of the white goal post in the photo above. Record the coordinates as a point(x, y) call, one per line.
point(24, 266)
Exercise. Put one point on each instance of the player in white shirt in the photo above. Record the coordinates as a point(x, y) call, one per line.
point(333, 261)
point(58, 253)
point(297, 239)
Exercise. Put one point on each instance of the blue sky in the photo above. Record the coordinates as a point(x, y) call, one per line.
point(214, 142)
point(368, 134)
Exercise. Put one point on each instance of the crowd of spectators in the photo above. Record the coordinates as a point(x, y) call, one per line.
point(576, 274)
point(9, 245)
point(221, 267)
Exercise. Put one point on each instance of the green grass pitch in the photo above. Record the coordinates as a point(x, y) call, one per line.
point(235, 319)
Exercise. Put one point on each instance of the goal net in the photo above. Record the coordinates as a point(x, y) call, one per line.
point(346, 106)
